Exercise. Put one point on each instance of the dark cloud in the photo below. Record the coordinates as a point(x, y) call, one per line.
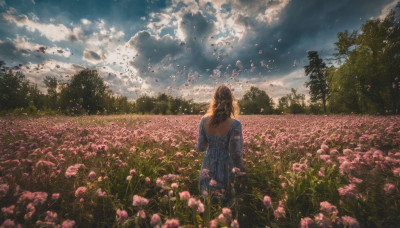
point(154, 49)
point(154, 54)
point(92, 56)
point(302, 26)
point(10, 54)
point(173, 62)
point(196, 26)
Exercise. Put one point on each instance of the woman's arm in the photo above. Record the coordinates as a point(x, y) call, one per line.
point(202, 142)
point(236, 147)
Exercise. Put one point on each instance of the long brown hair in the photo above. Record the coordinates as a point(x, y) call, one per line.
point(222, 106)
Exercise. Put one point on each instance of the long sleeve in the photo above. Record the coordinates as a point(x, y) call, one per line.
point(202, 140)
point(236, 147)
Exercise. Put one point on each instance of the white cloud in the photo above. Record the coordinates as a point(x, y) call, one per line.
point(386, 9)
point(52, 32)
point(21, 43)
point(163, 20)
point(85, 21)
point(272, 12)
point(62, 71)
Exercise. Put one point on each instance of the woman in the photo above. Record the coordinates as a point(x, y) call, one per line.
point(221, 136)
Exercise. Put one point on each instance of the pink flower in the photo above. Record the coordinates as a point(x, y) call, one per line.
point(222, 220)
point(328, 208)
point(267, 202)
point(213, 223)
point(280, 213)
point(345, 167)
point(68, 224)
point(122, 216)
point(356, 180)
point(389, 189)
point(298, 167)
point(350, 222)
point(80, 191)
point(174, 186)
point(139, 201)
point(306, 222)
point(347, 152)
point(170, 223)
point(234, 224)
point(100, 193)
point(325, 148)
point(8, 210)
point(348, 191)
point(92, 175)
point(227, 213)
point(396, 172)
point(132, 172)
point(192, 203)
point(147, 180)
point(40, 198)
point(185, 195)
point(51, 217)
point(141, 214)
point(30, 210)
point(178, 154)
point(200, 208)
point(8, 223)
point(321, 172)
point(155, 220)
point(3, 190)
point(196, 205)
point(159, 183)
point(55, 196)
point(322, 221)
point(213, 183)
point(205, 172)
point(73, 170)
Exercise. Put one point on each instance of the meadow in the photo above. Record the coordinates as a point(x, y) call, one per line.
point(143, 171)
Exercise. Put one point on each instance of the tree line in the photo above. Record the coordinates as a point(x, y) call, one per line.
point(87, 93)
point(365, 76)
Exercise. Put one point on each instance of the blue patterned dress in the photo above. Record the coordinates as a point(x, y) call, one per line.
point(223, 154)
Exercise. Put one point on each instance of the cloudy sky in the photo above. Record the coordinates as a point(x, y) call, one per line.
point(182, 48)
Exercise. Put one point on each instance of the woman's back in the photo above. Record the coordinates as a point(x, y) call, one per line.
point(221, 136)
point(224, 145)
point(219, 130)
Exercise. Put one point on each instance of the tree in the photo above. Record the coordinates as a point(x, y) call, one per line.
point(145, 104)
point(51, 84)
point(256, 101)
point(345, 42)
point(366, 81)
point(292, 103)
point(14, 89)
point(317, 83)
point(162, 104)
point(86, 91)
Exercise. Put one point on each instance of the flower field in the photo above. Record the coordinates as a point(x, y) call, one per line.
point(143, 171)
